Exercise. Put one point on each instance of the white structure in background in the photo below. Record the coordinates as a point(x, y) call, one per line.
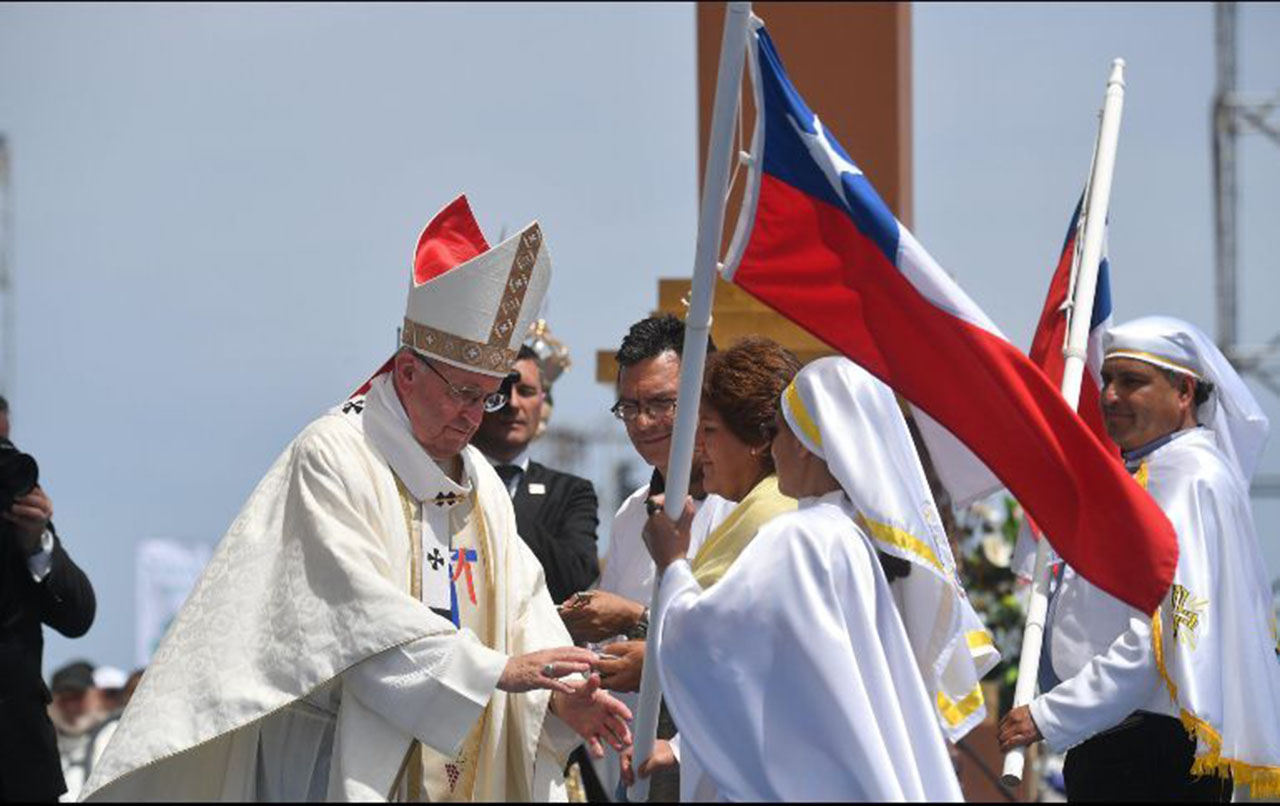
point(167, 570)
point(1235, 113)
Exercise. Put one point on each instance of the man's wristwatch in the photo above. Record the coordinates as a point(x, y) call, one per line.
point(641, 628)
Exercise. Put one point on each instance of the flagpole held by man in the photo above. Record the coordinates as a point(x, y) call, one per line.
point(1079, 325)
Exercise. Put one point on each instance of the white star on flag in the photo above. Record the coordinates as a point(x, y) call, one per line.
point(832, 163)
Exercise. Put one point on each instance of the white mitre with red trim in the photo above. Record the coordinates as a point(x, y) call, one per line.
point(471, 305)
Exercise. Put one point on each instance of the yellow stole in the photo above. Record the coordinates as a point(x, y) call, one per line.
point(723, 545)
point(424, 769)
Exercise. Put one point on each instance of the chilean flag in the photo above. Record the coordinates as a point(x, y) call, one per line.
point(1051, 332)
point(1047, 353)
point(818, 245)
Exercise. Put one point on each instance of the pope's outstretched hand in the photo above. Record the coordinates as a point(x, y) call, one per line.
point(594, 715)
point(544, 668)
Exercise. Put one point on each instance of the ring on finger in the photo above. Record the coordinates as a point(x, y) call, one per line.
point(549, 670)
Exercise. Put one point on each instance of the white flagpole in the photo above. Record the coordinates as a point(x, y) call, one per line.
point(720, 153)
point(1094, 226)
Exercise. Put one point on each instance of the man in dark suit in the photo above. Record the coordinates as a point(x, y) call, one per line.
point(39, 584)
point(556, 513)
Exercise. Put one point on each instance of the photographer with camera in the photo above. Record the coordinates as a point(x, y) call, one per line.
point(39, 584)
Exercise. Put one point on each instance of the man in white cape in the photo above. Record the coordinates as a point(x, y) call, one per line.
point(1179, 704)
point(372, 627)
point(793, 678)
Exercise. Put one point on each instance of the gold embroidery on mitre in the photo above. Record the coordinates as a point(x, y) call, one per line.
point(1188, 610)
point(489, 357)
point(517, 286)
point(494, 355)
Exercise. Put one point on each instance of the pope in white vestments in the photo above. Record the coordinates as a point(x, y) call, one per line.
point(794, 678)
point(371, 627)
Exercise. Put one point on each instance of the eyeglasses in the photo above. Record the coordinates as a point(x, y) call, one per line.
point(469, 395)
point(628, 410)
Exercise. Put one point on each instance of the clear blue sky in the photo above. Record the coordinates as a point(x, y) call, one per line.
point(215, 206)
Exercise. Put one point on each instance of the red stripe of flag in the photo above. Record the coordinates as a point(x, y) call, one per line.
point(809, 261)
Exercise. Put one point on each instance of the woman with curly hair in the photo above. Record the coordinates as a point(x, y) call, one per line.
point(741, 390)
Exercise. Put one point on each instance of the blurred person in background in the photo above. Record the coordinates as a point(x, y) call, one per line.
point(84, 715)
point(556, 513)
point(39, 584)
point(110, 683)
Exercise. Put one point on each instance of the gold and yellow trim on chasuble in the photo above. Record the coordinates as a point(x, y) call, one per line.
point(410, 778)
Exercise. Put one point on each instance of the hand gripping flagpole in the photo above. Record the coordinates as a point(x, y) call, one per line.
point(693, 357)
point(1080, 314)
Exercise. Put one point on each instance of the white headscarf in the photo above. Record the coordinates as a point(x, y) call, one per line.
point(1239, 427)
point(852, 421)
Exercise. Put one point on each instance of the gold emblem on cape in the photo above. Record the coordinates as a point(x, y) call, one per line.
point(1187, 612)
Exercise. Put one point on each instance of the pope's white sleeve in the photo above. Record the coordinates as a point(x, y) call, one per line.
point(432, 688)
point(1109, 688)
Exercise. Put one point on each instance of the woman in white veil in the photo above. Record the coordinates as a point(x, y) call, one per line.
point(794, 677)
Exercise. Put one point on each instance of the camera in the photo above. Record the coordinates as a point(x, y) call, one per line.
point(18, 474)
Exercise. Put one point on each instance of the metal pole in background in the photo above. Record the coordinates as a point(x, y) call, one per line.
point(1224, 172)
point(1235, 113)
point(8, 347)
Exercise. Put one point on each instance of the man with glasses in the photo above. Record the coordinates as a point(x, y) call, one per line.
point(371, 627)
point(617, 611)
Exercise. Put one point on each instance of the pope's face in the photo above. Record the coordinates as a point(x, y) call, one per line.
point(442, 425)
point(1140, 405)
point(512, 427)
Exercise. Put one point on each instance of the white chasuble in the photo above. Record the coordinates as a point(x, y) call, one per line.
point(302, 667)
point(792, 679)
